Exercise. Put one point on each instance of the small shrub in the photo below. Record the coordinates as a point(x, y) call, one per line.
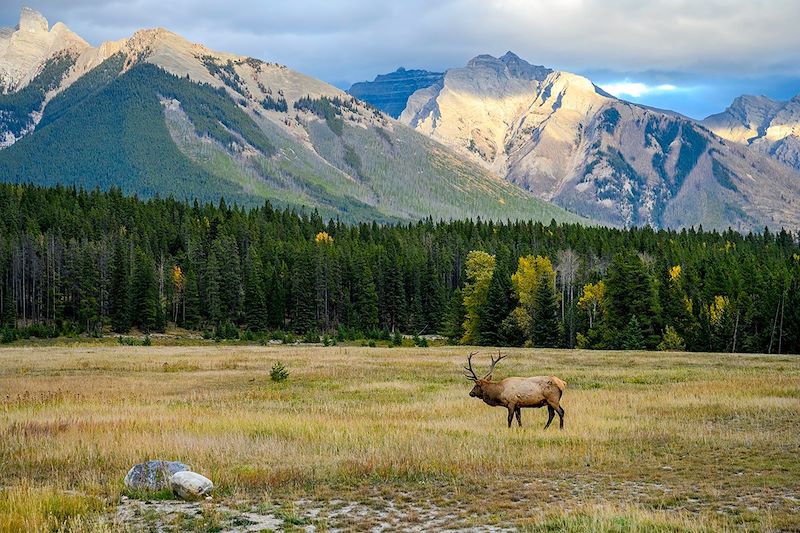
point(397, 339)
point(671, 341)
point(279, 373)
point(372, 344)
point(226, 331)
point(8, 335)
point(147, 341)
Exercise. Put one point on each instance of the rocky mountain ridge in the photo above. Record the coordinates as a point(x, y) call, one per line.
point(770, 126)
point(561, 137)
point(157, 114)
point(390, 92)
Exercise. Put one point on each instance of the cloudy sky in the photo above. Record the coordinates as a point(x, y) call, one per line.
point(689, 55)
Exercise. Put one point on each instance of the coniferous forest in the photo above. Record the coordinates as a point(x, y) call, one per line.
point(76, 262)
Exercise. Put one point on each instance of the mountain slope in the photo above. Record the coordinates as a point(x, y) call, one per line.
point(390, 92)
point(559, 136)
point(155, 114)
point(769, 126)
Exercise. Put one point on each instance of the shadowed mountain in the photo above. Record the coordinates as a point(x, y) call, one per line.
point(390, 92)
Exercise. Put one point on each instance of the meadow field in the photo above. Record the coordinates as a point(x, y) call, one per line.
point(362, 438)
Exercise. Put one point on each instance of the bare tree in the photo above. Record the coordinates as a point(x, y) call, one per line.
point(567, 264)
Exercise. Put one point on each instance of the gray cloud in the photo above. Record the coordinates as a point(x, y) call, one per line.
point(351, 40)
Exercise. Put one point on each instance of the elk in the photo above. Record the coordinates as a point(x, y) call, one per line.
point(514, 393)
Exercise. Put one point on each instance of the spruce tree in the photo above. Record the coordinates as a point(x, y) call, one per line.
point(88, 311)
point(364, 298)
point(304, 296)
point(120, 289)
point(630, 290)
point(434, 300)
point(9, 314)
point(544, 327)
point(453, 323)
point(497, 307)
point(192, 303)
point(144, 292)
point(631, 337)
point(255, 305)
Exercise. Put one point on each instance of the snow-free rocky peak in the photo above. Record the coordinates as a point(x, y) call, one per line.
point(565, 140)
point(769, 126)
point(26, 48)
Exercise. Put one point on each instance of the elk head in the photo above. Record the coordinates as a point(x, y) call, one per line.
point(477, 390)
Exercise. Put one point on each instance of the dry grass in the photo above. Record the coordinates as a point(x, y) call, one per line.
point(652, 441)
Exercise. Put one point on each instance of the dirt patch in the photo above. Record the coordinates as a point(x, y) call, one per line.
point(373, 514)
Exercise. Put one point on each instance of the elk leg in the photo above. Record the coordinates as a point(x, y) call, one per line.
point(560, 412)
point(510, 415)
point(550, 414)
point(519, 416)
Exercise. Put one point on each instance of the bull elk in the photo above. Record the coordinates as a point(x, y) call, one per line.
point(514, 393)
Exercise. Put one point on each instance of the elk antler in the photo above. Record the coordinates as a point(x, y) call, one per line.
point(494, 362)
point(468, 368)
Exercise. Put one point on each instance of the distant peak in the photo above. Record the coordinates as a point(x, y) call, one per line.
point(511, 63)
point(32, 21)
point(510, 56)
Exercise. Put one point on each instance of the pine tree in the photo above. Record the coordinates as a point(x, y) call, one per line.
point(497, 307)
point(89, 313)
point(631, 337)
point(304, 297)
point(212, 296)
point(452, 325)
point(393, 297)
point(364, 298)
point(9, 314)
point(192, 314)
point(144, 292)
point(433, 298)
point(630, 290)
point(120, 288)
point(255, 306)
point(544, 328)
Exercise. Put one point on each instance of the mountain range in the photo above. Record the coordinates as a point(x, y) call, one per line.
point(154, 114)
point(564, 139)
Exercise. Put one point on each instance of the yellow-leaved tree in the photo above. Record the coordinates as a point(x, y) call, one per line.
point(592, 299)
point(323, 238)
point(531, 270)
point(479, 267)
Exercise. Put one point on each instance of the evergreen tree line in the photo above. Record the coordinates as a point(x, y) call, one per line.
point(73, 261)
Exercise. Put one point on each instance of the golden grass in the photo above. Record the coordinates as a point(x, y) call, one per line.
point(652, 441)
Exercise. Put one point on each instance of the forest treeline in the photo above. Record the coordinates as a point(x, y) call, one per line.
point(73, 262)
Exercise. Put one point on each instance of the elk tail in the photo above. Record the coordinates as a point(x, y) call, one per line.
point(560, 383)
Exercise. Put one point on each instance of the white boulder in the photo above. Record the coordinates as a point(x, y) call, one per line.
point(190, 485)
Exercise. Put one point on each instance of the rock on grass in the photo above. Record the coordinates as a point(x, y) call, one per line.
point(152, 475)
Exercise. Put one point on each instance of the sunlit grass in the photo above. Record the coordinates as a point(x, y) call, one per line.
point(652, 441)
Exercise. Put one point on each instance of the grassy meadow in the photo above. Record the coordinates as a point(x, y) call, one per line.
point(358, 437)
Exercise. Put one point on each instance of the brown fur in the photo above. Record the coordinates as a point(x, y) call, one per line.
point(514, 393)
